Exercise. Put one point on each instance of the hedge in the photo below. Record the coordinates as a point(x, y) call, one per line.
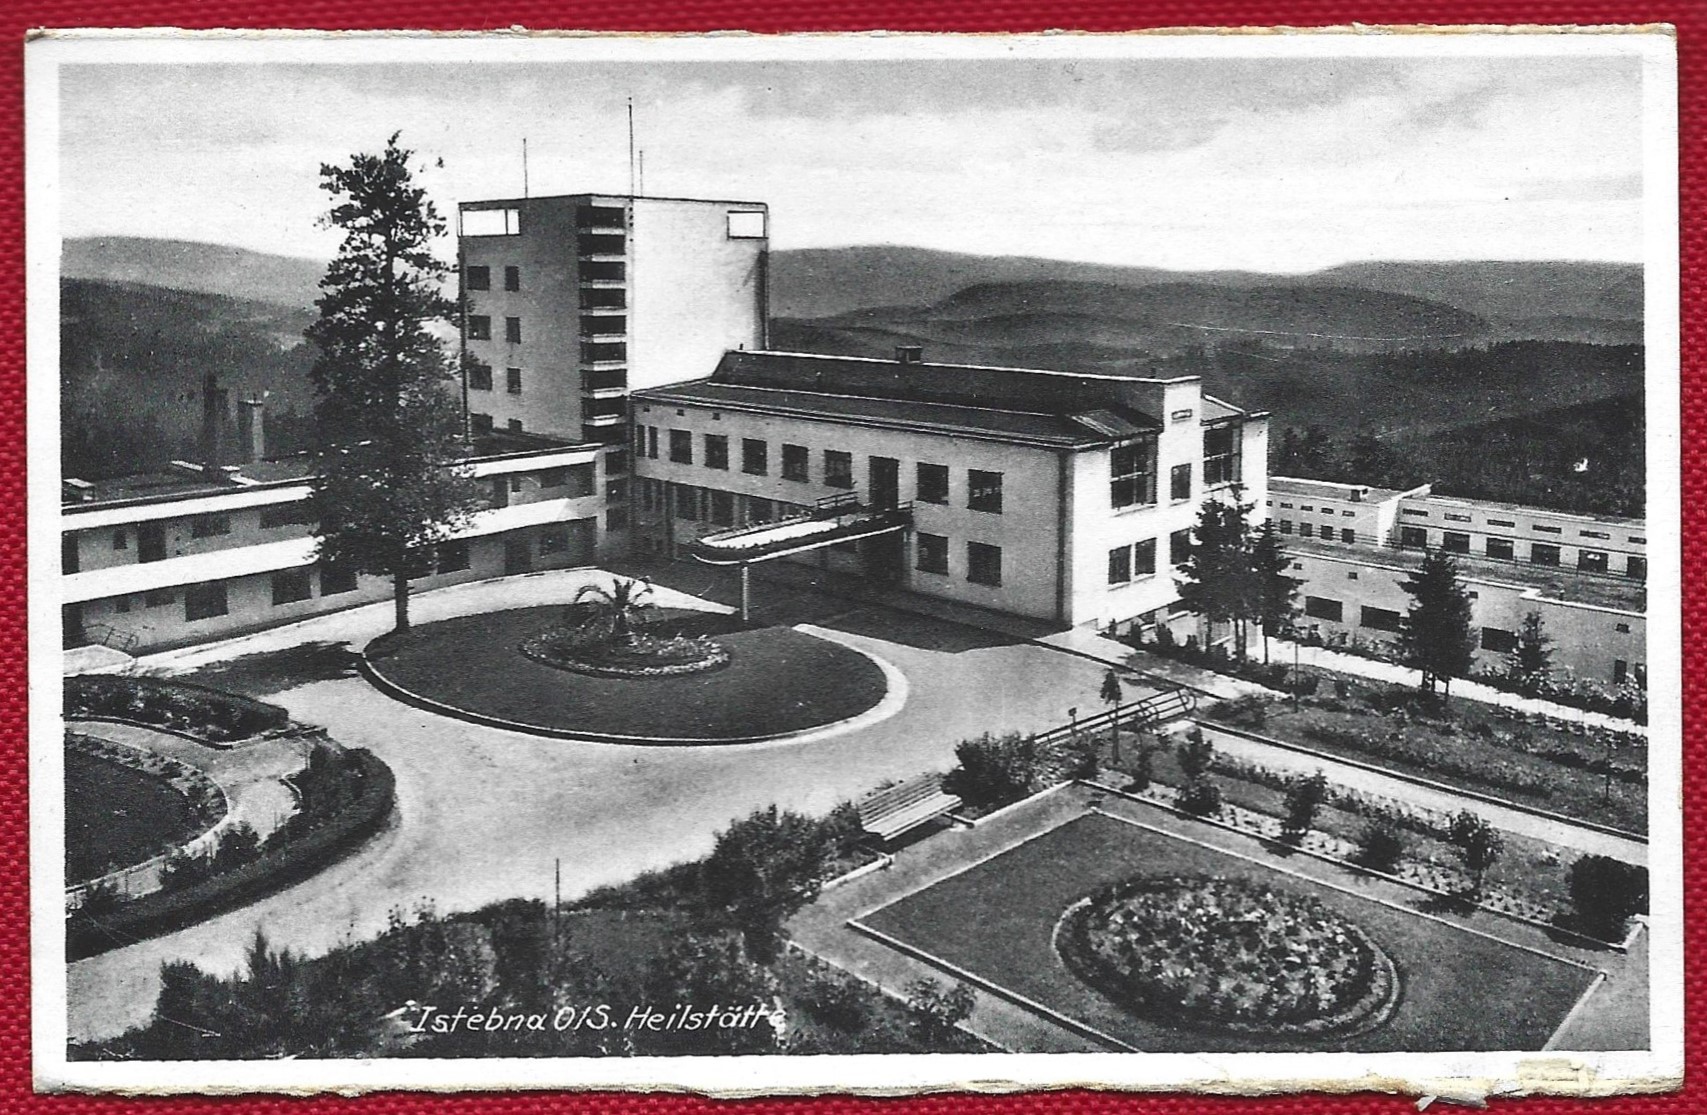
point(180, 707)
point(164, 911)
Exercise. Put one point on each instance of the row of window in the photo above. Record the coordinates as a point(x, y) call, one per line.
point(983, 488)
point(1138, 559)
point(983, 561)
point(1541, 528)
point(480, 278)
point(480, 328)
point(1327, 511)
point(480, 378)
point(1309, 530)
point(1540, 553)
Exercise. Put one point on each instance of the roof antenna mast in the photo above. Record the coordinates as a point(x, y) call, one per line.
point(524, 167)
point(631, 171)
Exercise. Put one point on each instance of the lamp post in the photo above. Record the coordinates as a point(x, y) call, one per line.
point(1295, 673)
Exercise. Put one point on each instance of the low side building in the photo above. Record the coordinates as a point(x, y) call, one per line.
point(1051, 495)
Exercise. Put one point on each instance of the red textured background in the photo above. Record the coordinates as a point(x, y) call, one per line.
point(1690, 17)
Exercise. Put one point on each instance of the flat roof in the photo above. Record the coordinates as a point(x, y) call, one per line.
point(1531, 509)
point(1334, 489)
point(596, 194)
point(1556, 582)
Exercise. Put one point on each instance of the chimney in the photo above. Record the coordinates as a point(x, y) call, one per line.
point(252, 427)
point(909, 354)
point(216, 412)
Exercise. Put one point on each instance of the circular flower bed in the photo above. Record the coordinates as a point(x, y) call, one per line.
point(1229, 955)
point(640, 654)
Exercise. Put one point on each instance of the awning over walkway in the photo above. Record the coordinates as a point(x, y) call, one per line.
point(843, 522)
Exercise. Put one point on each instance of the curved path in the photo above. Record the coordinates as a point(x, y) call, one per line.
point(485, 814)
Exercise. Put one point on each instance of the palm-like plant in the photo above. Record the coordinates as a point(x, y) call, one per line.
point(617, 608)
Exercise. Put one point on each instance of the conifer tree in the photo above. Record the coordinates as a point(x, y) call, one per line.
point(1530, 661)
point(1277, 592)
point(1435, 636)
point(1217, 579)
point(389, 482)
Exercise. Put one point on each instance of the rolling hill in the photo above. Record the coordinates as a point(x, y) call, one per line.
point(189, 265)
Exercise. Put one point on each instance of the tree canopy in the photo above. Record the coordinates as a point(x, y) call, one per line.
point(389, 483)
point(1235, 574)
point(1435, 635)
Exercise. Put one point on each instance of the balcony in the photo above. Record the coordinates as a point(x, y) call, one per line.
point(601, 218)
point(604, 384)
point(604, 328)
point(605, 433)
point(603, 276)
point(604, 354)
point(601, 246)
point(836, 519)
point(613, 300)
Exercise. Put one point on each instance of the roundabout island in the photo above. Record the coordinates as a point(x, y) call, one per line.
point(659, 676)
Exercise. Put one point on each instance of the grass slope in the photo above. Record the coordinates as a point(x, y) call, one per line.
point(116, 817)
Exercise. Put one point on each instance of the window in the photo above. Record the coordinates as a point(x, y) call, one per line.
point(794, 466)
point(1351, 575)
point(1306, 507)
point(335, 579)
point(616, 463)
point(723, 508)
point(652, 442)
point(1455, 541)
point(687, 504)
point(121, 539)
point(204, 601)
point(291, 585)
point(983, 563)
point(1179, 482)
point(932, 485)
point(479, 376)
point(1144, 558)
point(1182, 415)
point(1221, 455)
point(1501, 523)
point(1379, 619)
point(210, 526)
point(1307, 530)
point(491, 222)
point(1120, 565)
point(681, 447)
point(984, 491)
point(1413, 538)
point(1501, 548)
point(554, 540)
point(1287, 506)
point(616, 491)
point(838, 468)
point(616, 518)
point(1132, 474)
point(1286, 526)
point(716, 451)
point(513, 380)
point(1499, 640)
point(1349, 514)
point(1620, 671)
point(287, 514)
point(121, 603)
point(479, 327)
point(512, 278)
point(1636, 568)
point(746, 224)
point(1636, 540)
point(1621, 628)
point(1543, 553)
point(1593, 534)
point(1453, 517)
point(755, 456)
point(159, 598)
point(452, 556)
point(515, 481)
point(1548, 530)
point(933, 553)
point(1592, 561)
point(1347, 535)
point(479, 278)
point(554, 478)
point(1179, 546)
point(1320, 607)
point(1416, 511)
point(480, 423)
point(513, 330)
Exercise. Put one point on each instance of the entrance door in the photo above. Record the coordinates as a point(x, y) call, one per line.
point(885, 481)
point(884, 557)
point(518, 555)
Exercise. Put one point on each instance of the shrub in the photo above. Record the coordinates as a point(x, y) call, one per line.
point(1144, 768)
point(101, 898)
point(935, 1012)
point(238, 846)
point(1606, 894)
point(994, 770)
point(836, 999)
point(1249, 711)
point(1303, 799)
point(762, 869)
point(1479, 844)
point(1196, 755)
point(196, 711)
point(1380, 846)
point(1199, 797)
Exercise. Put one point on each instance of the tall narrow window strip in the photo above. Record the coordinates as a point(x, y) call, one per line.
point(1132, 474)
point(1221, 463)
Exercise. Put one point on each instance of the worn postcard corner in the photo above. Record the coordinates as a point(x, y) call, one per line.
point(875, 564)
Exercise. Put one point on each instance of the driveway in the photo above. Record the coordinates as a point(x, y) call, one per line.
point(485, 814)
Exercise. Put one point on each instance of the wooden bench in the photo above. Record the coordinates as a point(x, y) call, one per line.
point(889, 812)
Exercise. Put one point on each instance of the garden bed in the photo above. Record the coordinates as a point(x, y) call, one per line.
point(181, 708)
point(123, 808)
point(777, 681)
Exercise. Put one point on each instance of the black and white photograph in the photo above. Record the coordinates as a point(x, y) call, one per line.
point(765, 564)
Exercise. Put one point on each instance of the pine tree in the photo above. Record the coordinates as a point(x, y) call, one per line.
point(1277, 593)
point(1435, 636)
point(389, 483)
point(1530, 662)
point(1218, 580)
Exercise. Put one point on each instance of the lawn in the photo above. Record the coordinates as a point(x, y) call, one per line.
point(1470, 747)
point(116, 817)
point(778, 680)
point(1459, 990)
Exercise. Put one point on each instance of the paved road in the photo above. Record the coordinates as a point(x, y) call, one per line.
point(484, 814)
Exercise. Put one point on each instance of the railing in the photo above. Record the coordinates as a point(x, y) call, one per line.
point(1158, 708)
point(108, 636)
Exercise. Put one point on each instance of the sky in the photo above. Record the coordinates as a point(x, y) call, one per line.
point(1275, 164)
